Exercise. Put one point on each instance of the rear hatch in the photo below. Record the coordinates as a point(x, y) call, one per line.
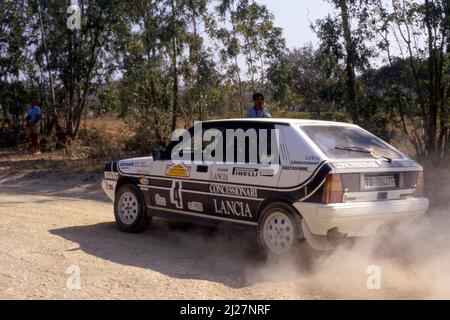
point(382, 185)
point(366, 167)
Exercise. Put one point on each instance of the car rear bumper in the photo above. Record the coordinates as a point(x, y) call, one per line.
point(359, 218)
point(109, 187)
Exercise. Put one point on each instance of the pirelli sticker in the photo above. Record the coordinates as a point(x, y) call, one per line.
point(178, 170)
point(245, 172)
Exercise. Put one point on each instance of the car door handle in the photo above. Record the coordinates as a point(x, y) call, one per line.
point(202, 168)
point(267, 172)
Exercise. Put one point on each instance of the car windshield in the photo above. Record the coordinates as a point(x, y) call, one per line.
point(339, 142)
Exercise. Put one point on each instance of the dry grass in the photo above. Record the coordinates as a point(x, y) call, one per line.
point(100, 140)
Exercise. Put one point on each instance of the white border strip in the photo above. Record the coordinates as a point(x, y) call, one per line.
point(204, 216)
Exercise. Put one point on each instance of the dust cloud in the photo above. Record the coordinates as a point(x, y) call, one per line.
point(413, 260)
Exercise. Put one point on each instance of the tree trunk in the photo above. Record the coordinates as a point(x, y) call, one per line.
point(175, 69)
point(432, 85)
point(241, 106)
point(50, 75)
point(350, 61)
point(71, 80)
point(175, 84)
point(196, 49)
point(444, 84)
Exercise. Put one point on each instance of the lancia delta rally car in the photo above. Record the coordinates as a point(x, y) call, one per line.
point(333, 180)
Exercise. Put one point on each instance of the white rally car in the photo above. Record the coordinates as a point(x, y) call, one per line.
point(313, 180)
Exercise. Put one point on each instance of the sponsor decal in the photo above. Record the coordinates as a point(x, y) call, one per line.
point(126, 164)
point(178, 170)
point(141, 164)
point(356, 164)
point(240, 191)
point(304, 163)
point(312, 158)
point(111, 175)
point(267, 172)
point(195, 206)
point(245, 172)
point(221, 174)
point(234, 208)
point(295, 168)
point(160, 201)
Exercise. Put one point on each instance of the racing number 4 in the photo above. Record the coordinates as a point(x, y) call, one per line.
point(175, 195)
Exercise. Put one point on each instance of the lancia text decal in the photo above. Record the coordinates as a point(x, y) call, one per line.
point(235, 208)
point(221, 174)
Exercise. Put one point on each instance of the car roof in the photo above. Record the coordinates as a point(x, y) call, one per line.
point(283, 121)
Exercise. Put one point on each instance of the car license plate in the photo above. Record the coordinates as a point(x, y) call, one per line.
point(379, 182)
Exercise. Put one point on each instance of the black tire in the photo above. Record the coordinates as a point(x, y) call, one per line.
point(136, 212)
point(282, 211)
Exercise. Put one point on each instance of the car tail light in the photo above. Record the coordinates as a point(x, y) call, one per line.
point(332, 189)
point(418, 189)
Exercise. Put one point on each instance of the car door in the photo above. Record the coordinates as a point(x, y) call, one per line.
point(195, 190)
point(239, 184)
point(181, 186)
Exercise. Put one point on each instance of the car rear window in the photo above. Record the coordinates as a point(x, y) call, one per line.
point(339, 142)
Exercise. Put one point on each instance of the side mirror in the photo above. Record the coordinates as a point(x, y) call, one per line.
point(158, 154)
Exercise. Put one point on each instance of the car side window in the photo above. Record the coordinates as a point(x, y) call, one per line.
point(243, 146)
point(213, 143)
point(187, 148)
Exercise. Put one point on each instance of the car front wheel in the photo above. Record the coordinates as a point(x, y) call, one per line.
point(130, 210)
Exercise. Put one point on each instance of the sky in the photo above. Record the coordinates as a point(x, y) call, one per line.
point(295, 17)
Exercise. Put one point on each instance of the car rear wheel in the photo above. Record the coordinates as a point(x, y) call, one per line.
point(130, 210)
point(279, 229)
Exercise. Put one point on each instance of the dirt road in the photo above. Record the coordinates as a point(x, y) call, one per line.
point(55, 226)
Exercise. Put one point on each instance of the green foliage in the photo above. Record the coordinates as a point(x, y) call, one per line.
point(410, 94)
point(13, 136)
point(163, 64)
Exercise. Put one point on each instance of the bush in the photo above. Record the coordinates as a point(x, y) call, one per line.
point(97, 144)
point(326, 115)
point(143, 142)
point(14, 136)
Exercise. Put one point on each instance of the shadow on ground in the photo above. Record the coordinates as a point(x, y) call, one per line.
point(175, 249)
point(62, 188)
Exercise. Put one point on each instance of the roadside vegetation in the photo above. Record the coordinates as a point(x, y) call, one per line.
point(139, 69)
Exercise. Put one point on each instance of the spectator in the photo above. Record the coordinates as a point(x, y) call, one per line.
point(258, 110)
point(34, 125)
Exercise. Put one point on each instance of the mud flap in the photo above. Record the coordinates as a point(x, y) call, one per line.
point(320, 243)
